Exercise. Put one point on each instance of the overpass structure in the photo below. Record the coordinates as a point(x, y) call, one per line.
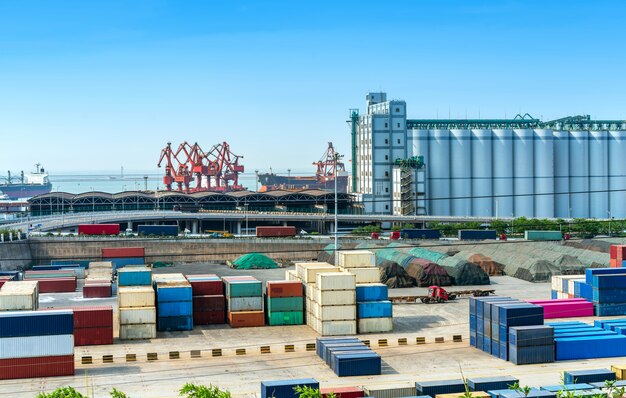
point(235, 221)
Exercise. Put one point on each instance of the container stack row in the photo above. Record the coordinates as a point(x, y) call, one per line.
point(563, 286)
point(348, 356)
point(492, 317)
point(19, 296)
point(209, 302)
point(618, 256)
point(174, 302)
point(137, 312)
point(93, 325)
point(55, 281)
point(79, 269)
point(98, 280)
point(123, 256)
point(244, 301)
point(284, 303)
point(36, 344)
point(374, 310)
point(609, 290)
point(531, 344)
point(564, 308)
point(577, 340)
point(332, 310)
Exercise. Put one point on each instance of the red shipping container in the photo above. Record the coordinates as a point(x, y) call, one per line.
point(206, 288)
point(93, 336)
point(26, 368)
point(97, 291)
point(209, 317)
point(284, 289)
point(342, 392)
point(613, 251)
point(209, 303)
point(98, 229)
point(56, 285)
point(620, 255)
point(123, 252)
point(97, 282)
point(2, 281)
point(246, 319)
point(275, 231)
point(93, 317)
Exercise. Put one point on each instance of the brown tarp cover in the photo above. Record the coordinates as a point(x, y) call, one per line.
point(394, 276)
point(491, 267)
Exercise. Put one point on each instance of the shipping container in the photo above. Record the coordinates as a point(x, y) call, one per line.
point(279, 289)
point(475, 394)
point(98, 229)
point(533, 393)
point(209, 303)
point(336, 281)
point(334, 297)
point(138, 331)
point(173, 291)
point(543, 235)
point(528, 336)
point(135, 296)
point(82, 263)
point(174, 323)
point(19, 295)
point(591, 272)
point(364, 275)
point(375, 325)
point(56, 285)
point(285, 388)
point(588, 376)
point(432, 234)
point(309, 273)
point(99, 290)
point(93, 336)
point(590, 347)
point(157, 230)
point(283, 318)
point(336, 328)
point(322, 342)
point(374, 309)
point(335, 312)
point(330, 348)
point(531, 355)
point(123, 252)
point(27, 368)
point(372, 292)
point(206, 285)
point(342, 392)
point(620, 372)
point(364, 364)
point(244, 288)
point(566, 309)
point(247, 319)
point(93, 317)
point(356, 259)
point(274, 232)
point(137, 315)
point(209, 317)
point(433, 388)
point(174, 308)
point(134, 276)
point(390, 390)
point(567, 387)
point(36, 323)
point(476, 234)
point(125, 261)
point(491, 383)
point(285, 304)
point(244, 304)
point(37, 346)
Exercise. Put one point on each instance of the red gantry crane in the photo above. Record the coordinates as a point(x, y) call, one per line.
point(326, 165)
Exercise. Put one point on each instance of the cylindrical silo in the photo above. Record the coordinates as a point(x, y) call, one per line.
point(439, 164)
point(561, 173)
point(460, 172)
point(579, 174)
point(598, 174)
point(617, 173)
point(502, 149)
point(482, 192)
point(523, 170)
point(420, 140)
point(544, 173)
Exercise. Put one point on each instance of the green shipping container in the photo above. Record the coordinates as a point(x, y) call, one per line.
point(285, 318)
point(282, 304)
point(543, 235)
point(68, 274)
point(244, 289)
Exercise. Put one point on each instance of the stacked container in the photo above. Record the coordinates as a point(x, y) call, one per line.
point(588, 376)
point(577, 340)
point(174, 302)
point(134, 276)
point(36, 344)
point(284, 303)
point(564, 308)
point(531, 344)
point(361, 263)
point(609, 290)
point(19, 296)
point(618, 256)
point(137, 312)
point(123, 256)
point(209, 302)
point(434, 388)
point(93, 325)
point(98, 280)
point(285, 388)
point(333, 305)
point(348, 357)
point(374, 310)
point(563, 286)
point(244, 301)
point(53, 281)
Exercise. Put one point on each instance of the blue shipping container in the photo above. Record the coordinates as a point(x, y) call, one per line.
point(609, 296)
point(285, 388)
point(175, 308)
point(122, 262)
point(534, 393)
point(165, 293)
point(590, 347)
point(476, 234)
point(491, 383)
point(529, 336)
point(556, 325)
point(618, 383)
point(531, 355)
point(420, 234)
point(480, 339)
point(583, 334)
point(174, 323)
point(134, 277)
point(158, 230)
point(321, 342)
point(357, 364)
point(588, 376)
point(433, 388)
point(374, 309)
point(553, 295)
point(487, 344)
point(590, 272)
point(329, 348)
point(611, 281)
point(372, 292)
point(82, 263)
point(568, 387)
point(602, 323)
point(609, 309)
point(521, 315)
point(36, 323)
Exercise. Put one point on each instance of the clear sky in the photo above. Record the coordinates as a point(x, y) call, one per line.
point(95, 85)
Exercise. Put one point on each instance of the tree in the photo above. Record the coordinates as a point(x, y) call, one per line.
point(190, 390)
point(310, 392)
point(62, 392)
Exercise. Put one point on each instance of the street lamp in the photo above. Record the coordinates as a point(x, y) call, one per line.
point(335, 160)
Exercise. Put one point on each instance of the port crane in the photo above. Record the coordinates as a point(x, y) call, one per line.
point(326, 165)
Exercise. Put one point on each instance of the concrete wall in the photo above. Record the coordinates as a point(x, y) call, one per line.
point(43, 250)
point(15, 255)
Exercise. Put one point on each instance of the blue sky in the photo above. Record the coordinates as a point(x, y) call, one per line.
point(95, 85)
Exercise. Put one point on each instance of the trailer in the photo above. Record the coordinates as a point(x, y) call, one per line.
point(437, 294)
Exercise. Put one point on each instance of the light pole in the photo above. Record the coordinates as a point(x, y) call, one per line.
point(335, 160)
point(123, 197)
point(256, 173)
point(245, 206)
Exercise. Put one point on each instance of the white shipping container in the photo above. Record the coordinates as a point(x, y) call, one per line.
point(336, 281)
point(302, 266)
point(375, 325)
point(356, 259)
point(290, 275)
point(236, 304)
point(570, 284)
point(135, 296)
point(36, 346)
point(337, 328)
point(100, 264)
point(335, 312)
point(19, 296)
point(556, 283)
point(310, 274)
point(137, 315)
point(335, 297)
point(78, 272)
point(168, 278)
point(392, 390)
point(561, 295)
point(310, 290)
point(364, 275)
point(138, 332)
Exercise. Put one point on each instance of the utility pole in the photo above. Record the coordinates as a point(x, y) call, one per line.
point(335, 160)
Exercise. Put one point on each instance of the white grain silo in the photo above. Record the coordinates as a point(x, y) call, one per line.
point(502, 148)
point(482, 192)
point(544, 173)
point(561, 174)
point(617, 173)
point(599, 173)
point(419, 142)
point(460, 172)
point(523, 171)
point(439, 164)
point(579, 174)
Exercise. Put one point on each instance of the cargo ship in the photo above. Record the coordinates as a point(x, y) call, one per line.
point(324, 178)
point(26, 185)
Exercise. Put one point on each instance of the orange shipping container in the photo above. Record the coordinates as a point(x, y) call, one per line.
point(244, 319)
point(284, 289)
point(613, 263)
